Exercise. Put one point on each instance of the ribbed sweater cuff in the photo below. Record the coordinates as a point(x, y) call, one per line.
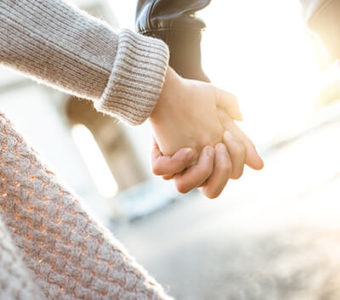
point(136, 79)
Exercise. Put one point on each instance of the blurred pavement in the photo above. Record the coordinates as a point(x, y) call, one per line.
point(273, 234)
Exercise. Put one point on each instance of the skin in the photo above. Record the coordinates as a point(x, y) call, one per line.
point(187, 114)
point(197, 142)
point(221, 174)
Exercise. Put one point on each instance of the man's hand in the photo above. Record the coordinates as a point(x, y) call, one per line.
point(214, 171)
point(186, 114)
point(194, 116)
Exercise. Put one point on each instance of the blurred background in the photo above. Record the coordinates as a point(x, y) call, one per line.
point(273, 234)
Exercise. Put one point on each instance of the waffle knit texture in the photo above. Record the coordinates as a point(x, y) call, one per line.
point(57, 44)
point(50, 247)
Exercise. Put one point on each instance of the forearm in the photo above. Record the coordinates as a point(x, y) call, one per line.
point(177, 25)
point(62, 46)
point(67, 253)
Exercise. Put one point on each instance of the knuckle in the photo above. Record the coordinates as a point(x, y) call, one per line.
point(205, 140)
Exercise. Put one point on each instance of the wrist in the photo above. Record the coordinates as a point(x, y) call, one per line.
point(172, 83)
point(185, 48)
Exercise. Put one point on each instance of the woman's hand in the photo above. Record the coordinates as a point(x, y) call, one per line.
point(214, 171)
point(215, 165)
point(187, 114)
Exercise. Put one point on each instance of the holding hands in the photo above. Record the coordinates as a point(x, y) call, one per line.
point(197, 142)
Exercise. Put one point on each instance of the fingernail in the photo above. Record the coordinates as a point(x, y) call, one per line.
point(187, 150)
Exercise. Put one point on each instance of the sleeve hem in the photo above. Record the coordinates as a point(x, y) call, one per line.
point(136, 79)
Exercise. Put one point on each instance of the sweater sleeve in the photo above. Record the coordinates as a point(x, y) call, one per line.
point(49, 242)
point(59, 45)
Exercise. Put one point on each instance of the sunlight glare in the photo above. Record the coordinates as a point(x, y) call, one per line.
point(95, 161)
point(260, 50)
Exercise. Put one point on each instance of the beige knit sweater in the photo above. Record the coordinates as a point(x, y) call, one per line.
point(50, 247)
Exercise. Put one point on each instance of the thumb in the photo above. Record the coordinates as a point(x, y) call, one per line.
point(229, 103)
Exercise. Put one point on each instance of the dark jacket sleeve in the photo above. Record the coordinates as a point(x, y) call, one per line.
point(175, 22)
